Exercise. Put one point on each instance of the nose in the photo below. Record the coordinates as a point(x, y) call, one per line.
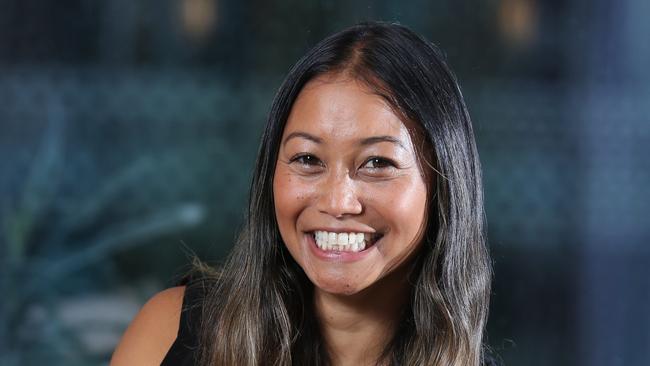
point(338, 196)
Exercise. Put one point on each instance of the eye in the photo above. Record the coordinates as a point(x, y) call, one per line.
point(377, 163)
point(306, 162)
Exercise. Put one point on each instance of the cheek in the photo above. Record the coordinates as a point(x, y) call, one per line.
point(404, 205)
point(290, 196)
point(282, 188)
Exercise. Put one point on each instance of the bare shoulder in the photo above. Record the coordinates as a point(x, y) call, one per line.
point(152, 331)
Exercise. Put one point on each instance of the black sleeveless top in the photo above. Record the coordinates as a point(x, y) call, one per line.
point(184, 350)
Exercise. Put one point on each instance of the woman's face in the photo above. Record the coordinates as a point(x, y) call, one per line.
point(350, 199)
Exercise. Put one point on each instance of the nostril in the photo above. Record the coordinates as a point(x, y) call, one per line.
point(339, 197)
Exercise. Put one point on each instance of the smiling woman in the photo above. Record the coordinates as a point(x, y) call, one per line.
point(364, 242)
point(350, 197)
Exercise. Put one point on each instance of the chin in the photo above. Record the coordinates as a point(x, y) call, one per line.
point(338, 286)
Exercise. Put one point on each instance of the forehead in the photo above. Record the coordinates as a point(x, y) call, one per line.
point(342, 107)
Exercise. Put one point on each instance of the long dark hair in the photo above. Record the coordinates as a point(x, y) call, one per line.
point(258, 309)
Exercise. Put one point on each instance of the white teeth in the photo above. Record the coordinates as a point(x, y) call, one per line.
point(343, 242)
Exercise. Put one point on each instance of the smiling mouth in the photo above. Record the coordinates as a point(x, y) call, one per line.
point(345, 242)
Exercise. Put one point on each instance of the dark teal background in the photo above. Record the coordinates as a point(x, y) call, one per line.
point(129, 128)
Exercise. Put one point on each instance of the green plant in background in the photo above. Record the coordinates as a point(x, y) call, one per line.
point(31, 281)
point(56, 242)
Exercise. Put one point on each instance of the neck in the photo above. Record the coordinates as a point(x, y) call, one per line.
point(358, 327)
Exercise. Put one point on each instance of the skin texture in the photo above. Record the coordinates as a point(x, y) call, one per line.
point(326, 178)
point(152, 332)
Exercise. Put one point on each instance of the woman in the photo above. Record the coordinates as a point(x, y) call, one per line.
point(364, 242)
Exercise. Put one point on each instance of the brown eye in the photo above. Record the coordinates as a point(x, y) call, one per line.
point(306, 159)
point(376, 162)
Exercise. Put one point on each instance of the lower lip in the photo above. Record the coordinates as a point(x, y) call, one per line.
point(336, 256)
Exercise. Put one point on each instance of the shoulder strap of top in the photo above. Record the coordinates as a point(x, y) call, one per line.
point(184, 350)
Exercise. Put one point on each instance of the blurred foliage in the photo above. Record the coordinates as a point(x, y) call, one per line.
point(94, 194)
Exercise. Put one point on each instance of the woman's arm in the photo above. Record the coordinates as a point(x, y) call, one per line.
point(152, 332)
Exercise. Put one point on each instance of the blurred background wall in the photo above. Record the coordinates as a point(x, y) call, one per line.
point(129, 128)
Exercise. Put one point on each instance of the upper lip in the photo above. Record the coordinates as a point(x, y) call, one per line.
point(344, 230)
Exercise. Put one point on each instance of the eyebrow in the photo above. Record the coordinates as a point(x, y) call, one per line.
point(364, 142)
point(384, 138)
point(304, 135)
